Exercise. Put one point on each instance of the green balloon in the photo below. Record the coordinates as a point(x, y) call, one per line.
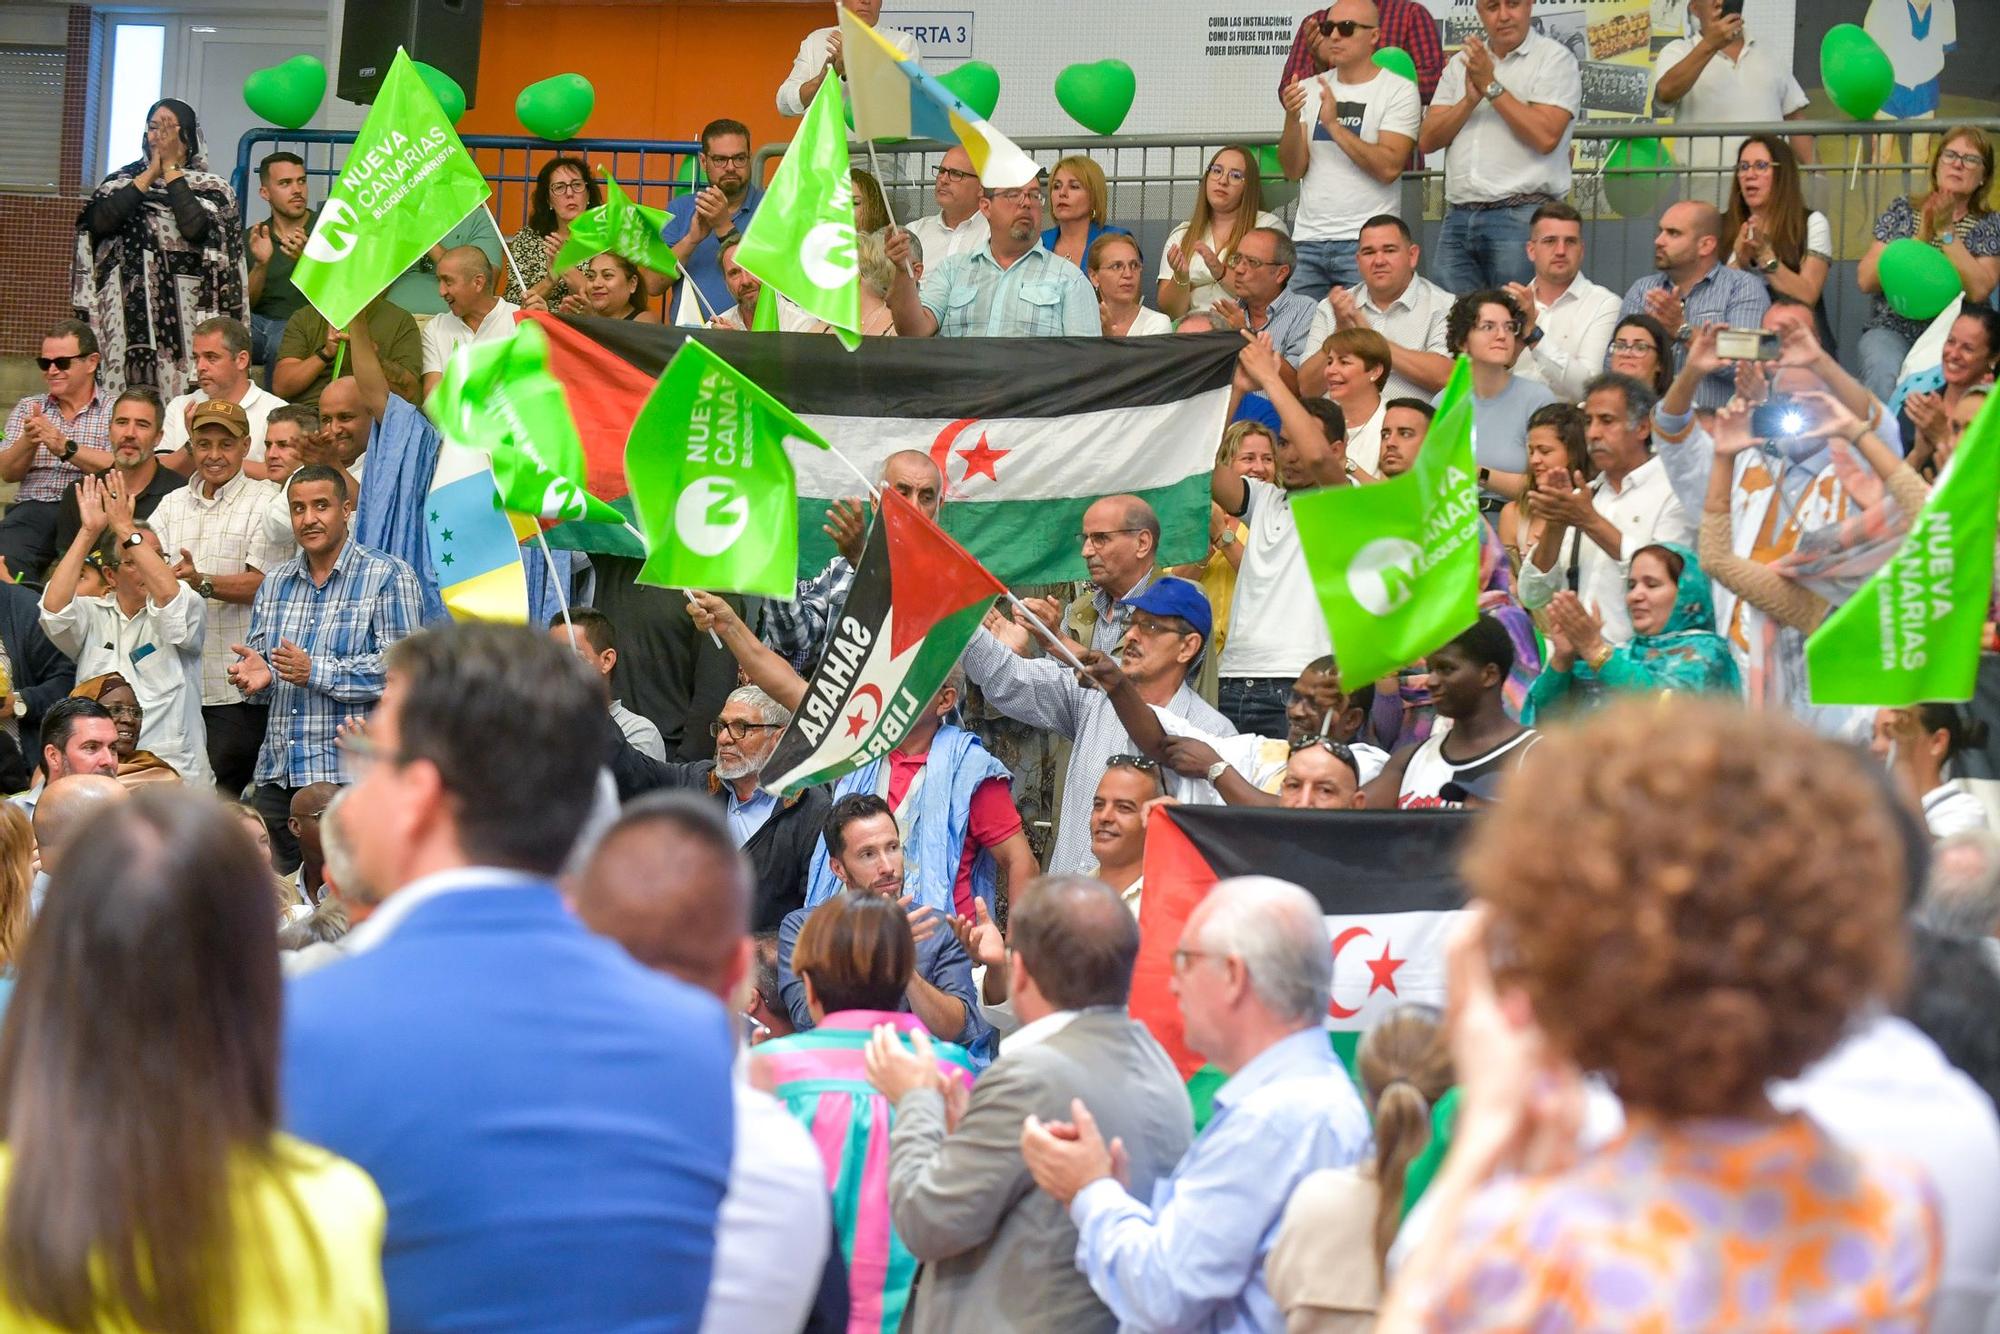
point(444, 88)
point(1855, 70)
point(286, 95)
point(1397, 61)
point(556, 108)
point(690, 172)
point(1098, 96)
point(1917, 280)
point(1638, 177)
point(1277, 191)
point(977, 84)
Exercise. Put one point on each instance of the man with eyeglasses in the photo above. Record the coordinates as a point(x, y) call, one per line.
point(1717, 75)
point(1121, 543)
point(1015, 287)
point(959, 227)
point(1694, 287)
point(51, 440)
point(820, 58)
point(698, 223)
point(1258, 303)
point(1505, 107)
point(1402, 23)
point(1348, 134)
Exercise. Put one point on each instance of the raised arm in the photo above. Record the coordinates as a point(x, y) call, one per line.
point(369, 377)
point(1324, 460)
point(761, 665)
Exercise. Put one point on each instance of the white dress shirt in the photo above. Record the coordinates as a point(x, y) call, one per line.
point(227, 533)
point(1644, 511)
point(1416, 319)
point(812, 59)
point(1576, 332)
point(257, 405)
point(1752, 88)
point(159, 652)
point(445, 333)
point(940, 242)
point(775, 1226)
point(1487, 160)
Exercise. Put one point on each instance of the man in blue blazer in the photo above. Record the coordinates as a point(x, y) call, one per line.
point(549, 1121)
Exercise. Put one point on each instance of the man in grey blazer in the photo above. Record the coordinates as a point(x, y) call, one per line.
point(1000, 1255)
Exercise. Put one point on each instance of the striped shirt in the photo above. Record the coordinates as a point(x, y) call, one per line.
point(90, 428)
point(226, 535)
point(1037, 296)
point(1723, 296)
point(345, 625)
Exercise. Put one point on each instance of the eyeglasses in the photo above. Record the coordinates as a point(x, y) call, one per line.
point(728, 159)
point(1631, 348)
point(1218, 172)
point(1121, 266)
point(1251, 262)
point(123, 711)
point(1182, 958)
point(1139, 762)
point(1755, 168)
point(1014, 196)
point(566, 187)
point(1345, 27)
point(1090, 540)
point(738, 729)
point(1497, 326)
point(56, 363)
point(1958, 159)
point(954, 174)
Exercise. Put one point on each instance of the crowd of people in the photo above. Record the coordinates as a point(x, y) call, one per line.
point(447, 977)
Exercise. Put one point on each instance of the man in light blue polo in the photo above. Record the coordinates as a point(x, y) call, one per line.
point(1014, 287)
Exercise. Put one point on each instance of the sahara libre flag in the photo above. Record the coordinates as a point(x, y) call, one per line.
point(1912, 633)
point(407, 181)
point(917, 598)
point(623, 228)
point(801, 241)
point(711, 481)
point(1396, 565)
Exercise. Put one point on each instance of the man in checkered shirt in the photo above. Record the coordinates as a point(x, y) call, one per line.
point(51, 440)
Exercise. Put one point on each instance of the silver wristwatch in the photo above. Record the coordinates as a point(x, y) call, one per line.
point(1493, 90)
point(1217, 769)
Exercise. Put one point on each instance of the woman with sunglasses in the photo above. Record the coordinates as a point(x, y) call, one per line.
point(1639, 348)
point(1954, 216)
point(1768, 229)
point(1229, 207)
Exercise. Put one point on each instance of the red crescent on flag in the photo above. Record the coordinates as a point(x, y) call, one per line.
point(857, 721)
point(941, 447)
point(1334, 1007)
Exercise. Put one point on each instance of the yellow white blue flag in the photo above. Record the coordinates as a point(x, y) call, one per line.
point(894, 99)
point(474, 549)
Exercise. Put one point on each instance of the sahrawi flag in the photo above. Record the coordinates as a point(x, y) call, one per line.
point(1912, 634)
point(917, 599)
point(407, 181)
point(1396, 565)
point(623, 228)
point(712, 480)
point(1028, 432)
point(1387, 882)
point(801, 242)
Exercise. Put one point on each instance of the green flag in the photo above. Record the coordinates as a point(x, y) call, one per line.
point(407, 181)
point(801, 240)
point(623, 228)
point(498, 398)
point(713, 487)
point(765, 318)
point(1911, 635)
point(1396, 564)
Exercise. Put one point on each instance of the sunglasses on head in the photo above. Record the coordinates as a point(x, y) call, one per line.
point(1345, 27)
point(1139, 762)
point(1338, 750)
point(56, 363)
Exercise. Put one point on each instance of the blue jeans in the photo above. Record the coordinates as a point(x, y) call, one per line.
point(1322, 266)
point(1881, 352)
point(266, 331)
point(1480, 248)
point(1256, 704)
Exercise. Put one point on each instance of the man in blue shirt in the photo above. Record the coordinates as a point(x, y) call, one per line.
point(1013, 287)
point(697, 224)
point(1694, 287)
point(550, 1122)
point(1253, 973)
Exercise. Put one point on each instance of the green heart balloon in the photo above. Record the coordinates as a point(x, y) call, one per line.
point(557, 107)
point(286, 95)
point(444, 88)
point(1638, 177)
point(977, 84)
point(1098, 96)
point(1397, 61)
point(1917, 280)
point(1855, 70)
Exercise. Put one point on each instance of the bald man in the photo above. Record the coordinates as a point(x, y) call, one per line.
point(796, 630)
point(308, 808)
point(668, 883)
point(1694, 287)
point(473, 313)
point(65, 805)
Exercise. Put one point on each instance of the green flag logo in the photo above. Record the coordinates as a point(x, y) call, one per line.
point(710, 515)
point(1383, 574)
point(333, 239)
point(827, 254)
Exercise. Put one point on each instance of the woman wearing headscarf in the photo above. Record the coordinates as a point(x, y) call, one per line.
point(159, 249)
point(1673, 645)
point(135, 766)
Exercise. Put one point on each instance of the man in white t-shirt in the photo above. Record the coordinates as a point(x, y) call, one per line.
point(1275, 624)
point(1393, 299)
point(1718, 76)
point(819, 55)
point(221, 349)
point(473, 313)
point(1348, 134)
point(1569, 318)
point(1504, 107)
point(959, 226)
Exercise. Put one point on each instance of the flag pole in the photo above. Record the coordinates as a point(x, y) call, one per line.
point(876, 165)
point(1050, 637)
point(873, 492)
point(714, 638)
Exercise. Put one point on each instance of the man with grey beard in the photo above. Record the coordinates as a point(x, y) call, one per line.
point(777, 834)
point(980, 293)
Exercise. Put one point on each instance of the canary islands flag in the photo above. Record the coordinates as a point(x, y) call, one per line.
point(474, 551)
point(894, 99)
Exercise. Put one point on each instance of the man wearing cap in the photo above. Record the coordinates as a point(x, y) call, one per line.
point(1165, 635)
point(213, 534)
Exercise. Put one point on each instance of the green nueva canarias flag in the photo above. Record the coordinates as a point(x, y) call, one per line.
point(1396, 564)
point(1911, 635)
point(498, 398)
point(801, 241)
point(407, 181)
point(714, 489)
point(623, 228)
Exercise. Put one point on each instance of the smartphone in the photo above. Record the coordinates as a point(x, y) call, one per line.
point(1732, 8)
point(1746, 345)
point(1782, 418)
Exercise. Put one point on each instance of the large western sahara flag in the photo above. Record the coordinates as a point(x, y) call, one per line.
point(1028, 431)
point(916, 601)
point(1387, 881)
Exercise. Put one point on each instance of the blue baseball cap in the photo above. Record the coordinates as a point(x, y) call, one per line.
point(1175, 597)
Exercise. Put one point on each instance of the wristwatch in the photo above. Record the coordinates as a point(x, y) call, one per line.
point(205, 587)
point(1493, 91)
point(134, 539)
point(1486, 478)
point(1216, 770)
point(1228, 538)
point(68, 451)
point(1685, 332)
point(1534, 337)
point(20, 707)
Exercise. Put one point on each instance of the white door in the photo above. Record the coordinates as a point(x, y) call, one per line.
point(216, 54)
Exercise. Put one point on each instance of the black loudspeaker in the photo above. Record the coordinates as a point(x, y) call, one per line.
point(444, 33)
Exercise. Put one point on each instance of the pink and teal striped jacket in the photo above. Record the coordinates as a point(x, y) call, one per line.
point(820, 1077)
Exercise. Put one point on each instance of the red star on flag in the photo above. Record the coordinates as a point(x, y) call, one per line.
point(1383, 972)
point(981, 459)
point(858, 720)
